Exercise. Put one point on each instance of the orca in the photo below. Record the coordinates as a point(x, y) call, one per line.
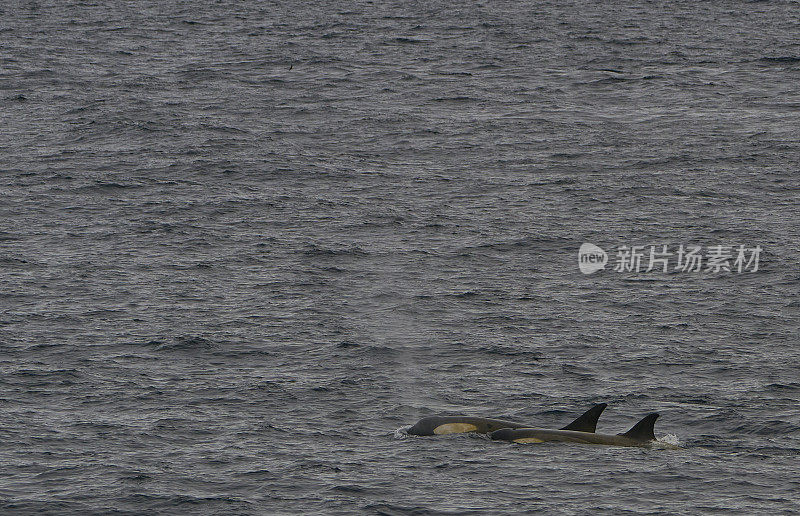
point(441, 425)
point(640, 435)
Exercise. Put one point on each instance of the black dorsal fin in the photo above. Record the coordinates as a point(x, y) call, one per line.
point(643, 430)
point(587, 422)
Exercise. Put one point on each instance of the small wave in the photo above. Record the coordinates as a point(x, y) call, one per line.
point(774, 427)
point(411, 41)
point(388, 508)
point(509, 351)
point(347, 344)
point(783, 386)
point(314, 250)
point(781, 59)
point(188, 342)
point(259, 474)
point(454, 74)
point(612, 79)
point(102, 186)
point(136, 477)
point(468, 293)
point(63, 471)
point(348, 489)
point(369, 349)
point(33, 373)
point(8, 260)
point(227, 129)
point(271, 386)
point(455, 99)
point(628, 42)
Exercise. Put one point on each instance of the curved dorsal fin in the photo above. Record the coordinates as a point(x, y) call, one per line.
point(587, 422)
point(643, 430)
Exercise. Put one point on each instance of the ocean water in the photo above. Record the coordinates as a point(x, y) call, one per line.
point(244, 245)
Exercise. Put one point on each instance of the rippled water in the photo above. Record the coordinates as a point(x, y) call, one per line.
point(245, 245)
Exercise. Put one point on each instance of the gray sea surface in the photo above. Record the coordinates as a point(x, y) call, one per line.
point(244, 245)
